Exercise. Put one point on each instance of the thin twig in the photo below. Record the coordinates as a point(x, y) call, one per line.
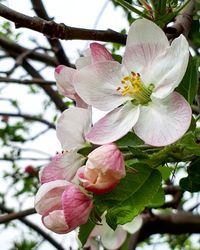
point(36, 228)
point(37, 81)
point(29, 117)
point(16, 215)
point(17, 50)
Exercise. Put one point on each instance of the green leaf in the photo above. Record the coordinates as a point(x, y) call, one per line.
point(165, 172)
point(130, 140)
point(84, 231)
point(188, 143)
point(131, 196)
point(128, 6)
point(191, 183)
point(85, 151)
point(138, 153)
point(158, 199)
point(194, 33)
point(117, 58)
point(189, 84)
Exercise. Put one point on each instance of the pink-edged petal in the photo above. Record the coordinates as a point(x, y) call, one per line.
point(164, 121)
point(96, 53)
point(114, 125)
point(55, 221)
point(62, 167)
point(64, 78)
point(49, 196)
point(76, 205)
point(72, 126)
point(169, 68)
point(145, 42)
point(133, 226)
point(113, 239)
point(97, 85)
point(99, 53)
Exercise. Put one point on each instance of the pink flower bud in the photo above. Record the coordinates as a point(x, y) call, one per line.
point(29, 169)
point(103, 170)
point(63, 206)
point(76, 206)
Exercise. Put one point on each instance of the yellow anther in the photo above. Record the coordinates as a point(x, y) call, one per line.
point(133, 74)
point(126, 78)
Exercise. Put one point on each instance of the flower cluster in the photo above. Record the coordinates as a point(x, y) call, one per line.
point(63, 199)
point(138, 95)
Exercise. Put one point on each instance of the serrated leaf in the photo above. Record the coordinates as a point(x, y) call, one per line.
point(191, 183)
point(131, 196)
point(189, 84)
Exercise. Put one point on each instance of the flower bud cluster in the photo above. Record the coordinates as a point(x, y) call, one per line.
point(65, 197)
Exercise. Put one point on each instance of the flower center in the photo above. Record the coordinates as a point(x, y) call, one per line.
point(133, 86)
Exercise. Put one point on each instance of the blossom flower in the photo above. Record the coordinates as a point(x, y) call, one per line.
point(64, 75)
point(112, 239)
point(103, 170)
point(63, 206)
point(139, 93)
point(71, 128)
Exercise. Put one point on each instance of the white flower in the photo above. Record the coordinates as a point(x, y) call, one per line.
point(71, 128)
point(139, 92)
point(112, 239)
point(64, 75)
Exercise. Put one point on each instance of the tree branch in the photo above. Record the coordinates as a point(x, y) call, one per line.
point(35, 228)
point(16, 215)
point(182, 23)
point(61, 31)
point(37, 81)
point(29, 117)
point(176, 223)
point(16, 50)
point(55, 43)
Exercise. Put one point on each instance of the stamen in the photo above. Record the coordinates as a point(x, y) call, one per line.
point(133, 86)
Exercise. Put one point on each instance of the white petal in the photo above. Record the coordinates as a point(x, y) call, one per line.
point(84, 60)
point(97, 85)
point(114, 125)
point(145, 42)
point(55, 221)
point(62, 167)
point(64, 78)
point(49, 196)
point(164, 121)
point(92, 244)
point(169, 68)
point(113, 239)
point(72, 126)
point(133, 226)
